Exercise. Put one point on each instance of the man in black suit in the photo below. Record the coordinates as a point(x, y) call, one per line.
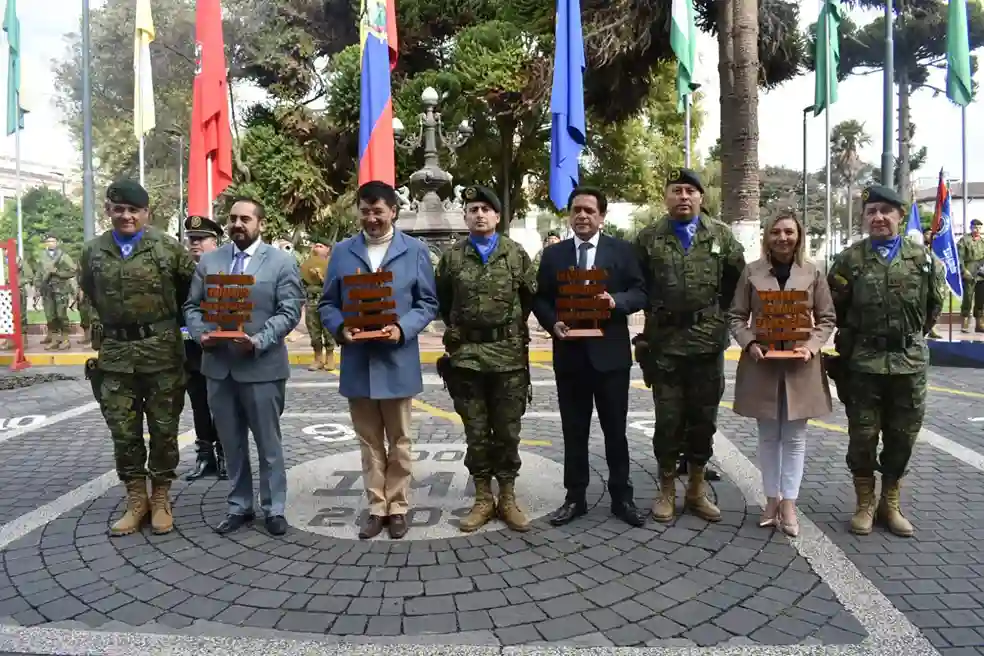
point(593, 369)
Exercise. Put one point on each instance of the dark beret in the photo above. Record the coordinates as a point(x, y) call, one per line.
point(974, 222)
point(128, 192)
point(553, 233)
point(882, 194)
point(480, 194)
point(200, 226)
point(684, 176)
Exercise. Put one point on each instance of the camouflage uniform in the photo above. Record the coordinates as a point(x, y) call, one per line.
point(54, 281)
point(136, 304)
point(971, 253)
point(884, 309)
point(485, 308)
point(85, 313)
point(682, 348)
point(313, 275)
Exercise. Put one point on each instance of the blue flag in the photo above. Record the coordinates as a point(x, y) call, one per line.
point(567, 124)
point(914, 228)
point(945, 248)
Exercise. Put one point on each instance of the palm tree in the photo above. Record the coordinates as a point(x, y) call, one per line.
point(847, 138)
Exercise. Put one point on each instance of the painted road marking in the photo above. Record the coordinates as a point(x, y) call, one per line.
point(26, 421)
point(49, 421)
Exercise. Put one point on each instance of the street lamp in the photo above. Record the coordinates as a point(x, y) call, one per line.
point(430, 132)
point(806, 110)
point(175, 132)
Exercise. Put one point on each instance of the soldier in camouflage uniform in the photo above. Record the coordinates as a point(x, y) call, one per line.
point(25, 274)
point(485, 287)
point(313, 276)
point(55, 273)
point(888, 293)
point(691, 264)
point(85, 312)
point(551, 239)
point(138, 278)
point(970, 249)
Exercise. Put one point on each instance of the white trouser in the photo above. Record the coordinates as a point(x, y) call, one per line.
point(782, 452)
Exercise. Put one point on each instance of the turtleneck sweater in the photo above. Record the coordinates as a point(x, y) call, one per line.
point(377, 247)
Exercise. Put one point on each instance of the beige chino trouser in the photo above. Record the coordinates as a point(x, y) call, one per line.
point(386, 472)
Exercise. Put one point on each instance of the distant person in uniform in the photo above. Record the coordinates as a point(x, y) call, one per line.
point(313, 276)
point(970, 250)
point(55, 272)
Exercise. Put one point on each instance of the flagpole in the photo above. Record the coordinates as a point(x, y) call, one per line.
point(963, 166)
point(208, 175)
point(88, 190)
point(142, 161)
point(686, 130)
point(826, 86)
point(20, 188)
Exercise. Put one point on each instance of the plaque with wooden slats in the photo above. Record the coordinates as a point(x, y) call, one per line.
point(578, 304)
point(226, 305)
point(783, 319)
point(370, 299)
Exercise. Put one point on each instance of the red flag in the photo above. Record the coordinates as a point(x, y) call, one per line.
point(941, 192)
point(211, 137)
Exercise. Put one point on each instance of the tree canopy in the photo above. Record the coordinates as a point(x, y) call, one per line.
point(45, 212)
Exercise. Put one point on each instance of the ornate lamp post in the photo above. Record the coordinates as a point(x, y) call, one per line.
point(428, 208)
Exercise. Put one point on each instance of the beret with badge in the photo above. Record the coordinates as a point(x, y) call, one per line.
point(128, 192)
point(200, 226)
point(684, 176)
point(882, 194)
point(480, 194)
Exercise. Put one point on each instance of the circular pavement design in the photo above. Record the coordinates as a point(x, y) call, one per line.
point(597, 574)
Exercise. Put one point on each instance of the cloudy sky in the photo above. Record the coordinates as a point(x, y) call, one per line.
point(45, 140)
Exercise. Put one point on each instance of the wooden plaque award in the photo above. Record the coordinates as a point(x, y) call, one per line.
point(783, 319)
point(578, 305)
point(227, 305)
point(371, 298)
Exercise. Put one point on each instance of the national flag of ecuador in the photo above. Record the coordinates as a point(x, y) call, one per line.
point(377, 159)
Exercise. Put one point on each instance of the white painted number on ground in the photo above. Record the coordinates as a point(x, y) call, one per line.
point(645, 426)
point(20, 422)
point(329, 432)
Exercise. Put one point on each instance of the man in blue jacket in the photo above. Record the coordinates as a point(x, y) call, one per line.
point(380, 377)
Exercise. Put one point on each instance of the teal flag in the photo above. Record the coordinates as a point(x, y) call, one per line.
point(683, 41)
point(826, 56)
point(15, 110)
point(958, 86)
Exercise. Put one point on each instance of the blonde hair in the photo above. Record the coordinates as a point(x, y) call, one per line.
point(800, 255)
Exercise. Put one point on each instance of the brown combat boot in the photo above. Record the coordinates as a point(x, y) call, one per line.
point(63, 343)
point(965, 325)
point(46, 339)
point(319, 361)
point(509, 511)
point(161, 521)
point(329, 360)
point(137, 509)
point(86, 337)
point(864, 515)
point(665, 506)
point(696, 500)
point(889, 512)
point(979, 325)
point(483, 509)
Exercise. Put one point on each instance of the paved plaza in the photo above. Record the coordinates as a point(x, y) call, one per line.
point(685, 588)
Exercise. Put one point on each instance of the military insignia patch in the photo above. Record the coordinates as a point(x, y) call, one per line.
point(674, 175)
point(471, 193)
point(196, 222)
point(864, 196)
point(114, 196)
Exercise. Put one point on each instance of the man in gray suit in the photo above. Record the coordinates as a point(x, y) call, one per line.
point(247, 378)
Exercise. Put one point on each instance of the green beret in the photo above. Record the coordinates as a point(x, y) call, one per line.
point(480, 194)
point(128, 192)
point(974, 222)
point(882, 194)
point(200, 226)
point(684, 176)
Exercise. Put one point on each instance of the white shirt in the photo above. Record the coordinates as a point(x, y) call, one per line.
point(591, 251)
point(250, 252)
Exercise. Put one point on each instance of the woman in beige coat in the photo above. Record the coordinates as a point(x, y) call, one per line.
point(782, 393)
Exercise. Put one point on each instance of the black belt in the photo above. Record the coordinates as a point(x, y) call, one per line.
point(488, 334)
point(133, 332)
point(889, 343)
point(675, 319)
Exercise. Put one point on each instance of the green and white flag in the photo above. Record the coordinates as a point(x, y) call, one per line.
point(958, 85)
point(683, 41)
point(827, 56)
point(15, 104)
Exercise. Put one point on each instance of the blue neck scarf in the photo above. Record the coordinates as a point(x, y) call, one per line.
point(484, 245)
point(685, 231)
point(127, 244)
point(887, 248)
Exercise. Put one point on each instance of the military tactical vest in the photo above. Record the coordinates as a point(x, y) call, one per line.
point(485, 295)
point(160, 284)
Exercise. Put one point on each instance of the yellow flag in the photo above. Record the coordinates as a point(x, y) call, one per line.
point(143, 83)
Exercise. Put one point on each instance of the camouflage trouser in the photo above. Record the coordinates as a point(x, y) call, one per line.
point(491, 406)
point(890, 405)
point(23, 310)
point(85, 312)
point(686, 394)
point(973, 298)
point(124, 400)
point(55, 311)
point(320, 337)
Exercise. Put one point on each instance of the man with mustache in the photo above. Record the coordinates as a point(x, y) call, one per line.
point(203, 236)
point(691, 264)
point(137, 278)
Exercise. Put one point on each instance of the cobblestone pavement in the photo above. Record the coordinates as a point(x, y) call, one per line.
point(688, 587)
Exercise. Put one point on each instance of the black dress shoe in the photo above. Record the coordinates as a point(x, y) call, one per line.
point(276, 525)
point(628, 513)
point(567, 513)
point(234, 522)
point(397, 526)
point(204, 466)
point(372, 528)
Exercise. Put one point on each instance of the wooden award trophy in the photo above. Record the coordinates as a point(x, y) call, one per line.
point(371, 298)
point(577, 303)
point(226, 305)
point(783, 319)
